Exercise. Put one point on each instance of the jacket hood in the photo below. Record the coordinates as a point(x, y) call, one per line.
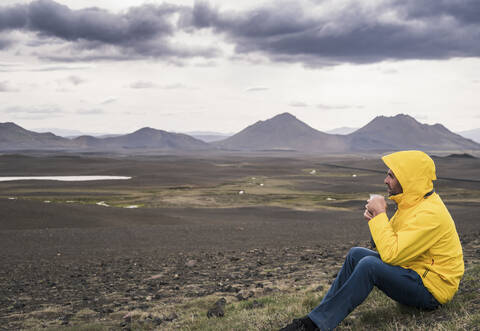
point(415, 171)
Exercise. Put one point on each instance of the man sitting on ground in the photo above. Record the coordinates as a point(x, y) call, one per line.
point(419, 261)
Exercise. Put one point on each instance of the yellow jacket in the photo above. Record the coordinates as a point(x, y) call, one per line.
point(421, 235)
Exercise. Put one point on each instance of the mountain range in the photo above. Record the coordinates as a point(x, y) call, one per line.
point(286, 132)
point(145, 138)
point(14, 137)
point(283, 132)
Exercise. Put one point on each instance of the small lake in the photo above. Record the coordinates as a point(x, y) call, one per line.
point(64, 178)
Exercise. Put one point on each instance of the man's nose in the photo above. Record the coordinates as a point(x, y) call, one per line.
point(385, 181)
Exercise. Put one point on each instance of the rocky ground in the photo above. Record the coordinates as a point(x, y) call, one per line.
point(53, 292)
point(60, 292)
point(64, 265)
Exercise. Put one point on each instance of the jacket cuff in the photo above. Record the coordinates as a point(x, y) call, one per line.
point(378, 222)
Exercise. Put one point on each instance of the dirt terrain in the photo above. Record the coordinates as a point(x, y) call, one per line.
point(65, 260)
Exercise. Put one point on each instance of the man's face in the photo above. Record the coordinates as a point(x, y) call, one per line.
point(393, 185)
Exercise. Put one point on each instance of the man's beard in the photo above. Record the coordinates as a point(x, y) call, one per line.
point(391, 191)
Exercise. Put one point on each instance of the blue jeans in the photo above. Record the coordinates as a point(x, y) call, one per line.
point(362, 270)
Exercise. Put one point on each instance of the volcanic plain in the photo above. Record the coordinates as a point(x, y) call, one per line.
point(188, 227)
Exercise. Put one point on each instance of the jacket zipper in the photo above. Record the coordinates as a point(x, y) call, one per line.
point(427, 270)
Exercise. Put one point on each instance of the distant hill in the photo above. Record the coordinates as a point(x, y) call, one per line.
point(461, 156)
point(283, 132)
point(404, 132)
point(145, 138)
point(342, 130)
point(14, 137)
point(471, 134)
point(67, 133)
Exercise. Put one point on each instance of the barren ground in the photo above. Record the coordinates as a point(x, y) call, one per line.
point(71, 261)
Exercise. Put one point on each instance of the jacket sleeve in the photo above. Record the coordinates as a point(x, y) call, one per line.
point(416, 236)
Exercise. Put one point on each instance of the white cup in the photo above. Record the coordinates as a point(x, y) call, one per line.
point(374, 195)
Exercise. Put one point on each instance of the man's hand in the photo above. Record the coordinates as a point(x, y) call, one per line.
point(367, 215)
point(375, 206)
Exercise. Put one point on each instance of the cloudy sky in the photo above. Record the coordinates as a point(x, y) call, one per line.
point(116, 66)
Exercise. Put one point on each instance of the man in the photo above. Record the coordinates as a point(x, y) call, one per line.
point(419, 260)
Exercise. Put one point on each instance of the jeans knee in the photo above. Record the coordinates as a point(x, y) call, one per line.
point(369, 262)
point(354, 251)
point(357, 253)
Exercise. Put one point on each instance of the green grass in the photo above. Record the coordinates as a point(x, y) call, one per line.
point(273, 311)
point(255, 314)
point(378, 312)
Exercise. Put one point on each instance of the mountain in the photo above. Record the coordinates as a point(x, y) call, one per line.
point(404, 132)
point(283, 132)
point(14, 137)
point(471, 134)
point(342, 130)
point(67, 133)
point(145, 138)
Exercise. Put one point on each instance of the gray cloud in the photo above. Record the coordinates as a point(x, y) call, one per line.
point(33, 110)
point(147, 85)
point(390, 71)
point(6, 87)
point(176, 86)
point(90, 112)
point(391, 30)
point(95, 34)
point(52, 19)
point(5, 43)
point(9, 64)
point(21, 67)
point(257, 89)
point(75, 80)
point(315, 33)
point(327, 107)
point(59, 68)
point(34, 113)
point(338, 107)
point(13, 17)
point(109, 100)
point(142, 85)
point(463, 11)
point(298, 104)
